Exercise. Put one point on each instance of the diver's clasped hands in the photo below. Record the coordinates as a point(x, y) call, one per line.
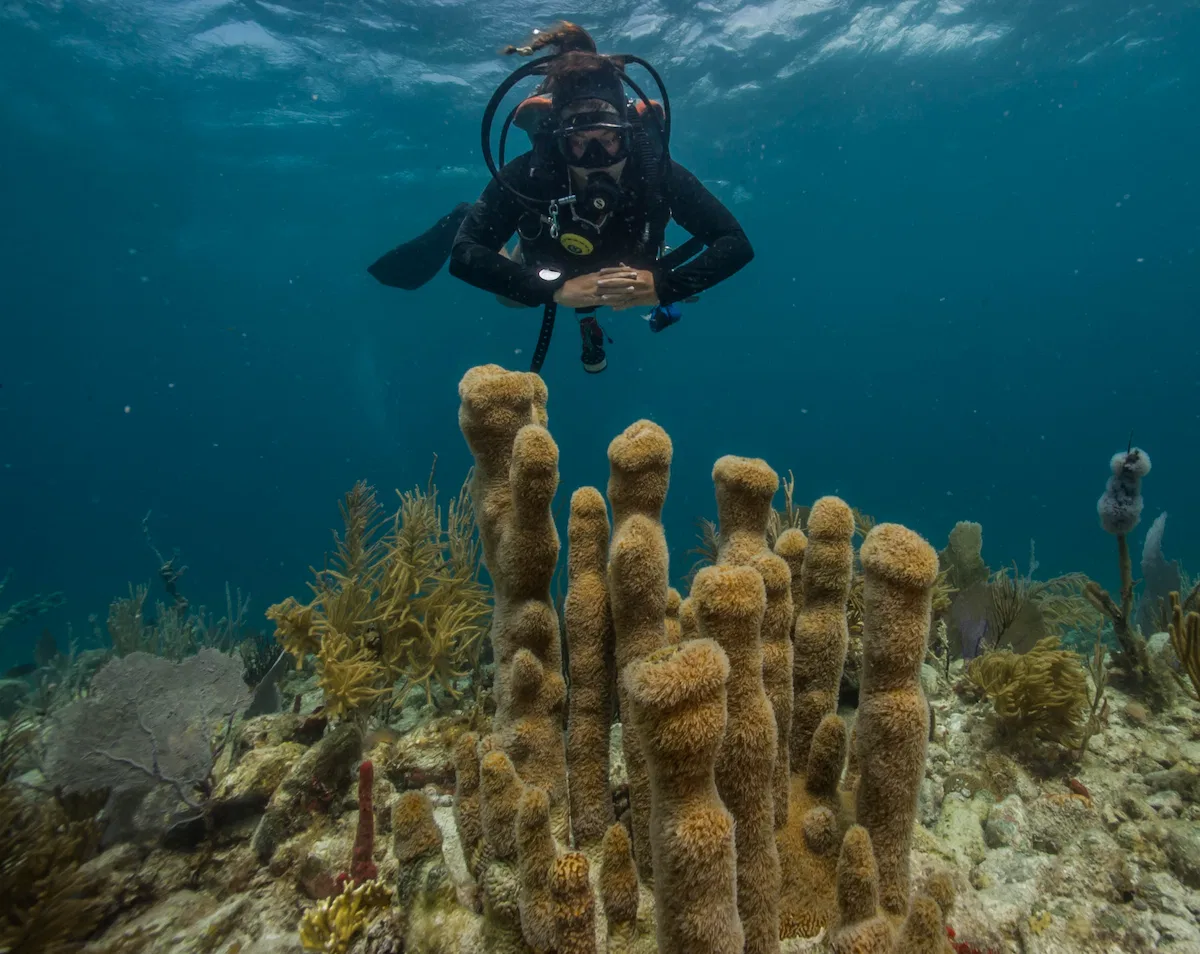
point(618, 288)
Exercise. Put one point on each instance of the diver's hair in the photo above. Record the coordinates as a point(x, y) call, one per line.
point(566, 71)
point(579, 61)
point(577, 56)
point(567, 37)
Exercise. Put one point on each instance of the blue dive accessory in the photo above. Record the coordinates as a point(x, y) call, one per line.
point(663, 316)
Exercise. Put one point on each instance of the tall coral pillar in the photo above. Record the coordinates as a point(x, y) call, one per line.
point(677, 695)
point(588, 620)
point(502, 415)
point(778, 662)
point(821, 633)
point(730, 602)
point(893, 718)
point(639, 472)
point(790, 547)
point(745, 487)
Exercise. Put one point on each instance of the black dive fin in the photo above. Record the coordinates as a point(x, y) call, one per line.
point(411, 265)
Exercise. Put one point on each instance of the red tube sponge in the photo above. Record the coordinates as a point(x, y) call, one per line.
point(362, 868)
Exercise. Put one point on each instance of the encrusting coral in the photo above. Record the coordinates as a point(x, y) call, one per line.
point(309, 787)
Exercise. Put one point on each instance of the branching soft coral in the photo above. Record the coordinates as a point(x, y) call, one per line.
point(1041, 694)
point(1185, 639)
point(47, 904)
point(333, 924)
point(399, 602)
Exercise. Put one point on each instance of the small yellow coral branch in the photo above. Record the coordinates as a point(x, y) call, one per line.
point(350, 675)
point(294, 628)
point(334, 923)
point(1185, 639)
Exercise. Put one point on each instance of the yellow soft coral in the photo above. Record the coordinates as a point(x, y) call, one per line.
point(294, 628)
point(334, 923)
point(397, 605)
point(1041, 694)
point(350, 675)
point(1185, 639)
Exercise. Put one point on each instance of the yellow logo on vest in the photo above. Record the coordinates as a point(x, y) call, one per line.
point(576, 244)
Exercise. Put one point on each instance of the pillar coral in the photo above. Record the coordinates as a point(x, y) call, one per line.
point(639, 473)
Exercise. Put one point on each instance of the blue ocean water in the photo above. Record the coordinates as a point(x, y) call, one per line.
point(976, 225)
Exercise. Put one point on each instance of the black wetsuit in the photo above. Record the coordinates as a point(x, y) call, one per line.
point(632, 236)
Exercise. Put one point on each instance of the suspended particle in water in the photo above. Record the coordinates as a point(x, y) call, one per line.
point(128, 409)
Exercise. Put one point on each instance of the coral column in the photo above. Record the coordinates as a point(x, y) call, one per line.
point(745, 487)
point(730, 602)
point(503, 418)
point(893, 718)
point(639, 472)
point(821, 632)
point(588, 620)
point(677, 695)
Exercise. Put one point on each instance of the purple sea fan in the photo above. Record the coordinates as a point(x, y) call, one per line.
point(972, 633)
point(1120, 507)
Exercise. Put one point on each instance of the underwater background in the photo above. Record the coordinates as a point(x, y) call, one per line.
point(976, 227)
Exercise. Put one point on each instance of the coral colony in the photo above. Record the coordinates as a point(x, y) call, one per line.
point(838, 739)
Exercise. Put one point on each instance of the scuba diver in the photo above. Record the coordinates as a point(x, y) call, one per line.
point(589, 203)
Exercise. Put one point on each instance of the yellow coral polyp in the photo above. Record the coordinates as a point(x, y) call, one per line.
point(333, 924)
point(294, 628)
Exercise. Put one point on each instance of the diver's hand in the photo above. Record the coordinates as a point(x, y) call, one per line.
point(638, 292)
point(594, 289)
